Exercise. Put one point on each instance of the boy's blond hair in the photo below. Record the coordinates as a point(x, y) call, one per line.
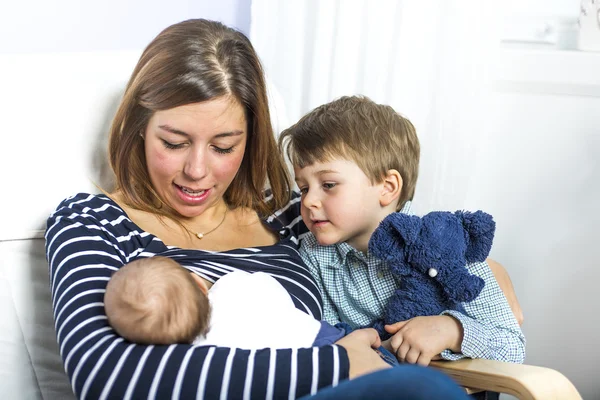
point(156, 301)
point(355, 128)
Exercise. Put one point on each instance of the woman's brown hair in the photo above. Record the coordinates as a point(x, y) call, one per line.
point(190, 62)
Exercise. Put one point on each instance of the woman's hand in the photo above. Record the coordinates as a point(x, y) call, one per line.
point(421, 339)
point(360, 345)
point(507, 287)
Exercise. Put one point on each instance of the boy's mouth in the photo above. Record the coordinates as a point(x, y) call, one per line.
point(319, 222)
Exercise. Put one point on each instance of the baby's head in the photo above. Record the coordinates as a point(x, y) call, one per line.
point(157, 301)
point(355, 161)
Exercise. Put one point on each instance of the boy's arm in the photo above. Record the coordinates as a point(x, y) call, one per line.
point(330, 313)
point(490, 328)
point(507, 288)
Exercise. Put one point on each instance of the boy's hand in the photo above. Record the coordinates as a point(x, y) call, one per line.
point(421, 339)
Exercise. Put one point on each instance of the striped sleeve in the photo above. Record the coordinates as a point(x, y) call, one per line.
point(291, 219)
point(87, 239)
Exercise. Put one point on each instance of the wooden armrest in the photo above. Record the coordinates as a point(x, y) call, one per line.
point(526, 382)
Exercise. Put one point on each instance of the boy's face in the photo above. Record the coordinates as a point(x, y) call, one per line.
point(339, 203)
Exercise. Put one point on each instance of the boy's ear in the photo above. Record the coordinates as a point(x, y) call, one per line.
point(391, 189)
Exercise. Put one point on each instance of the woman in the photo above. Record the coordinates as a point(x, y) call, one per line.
point(192, 149)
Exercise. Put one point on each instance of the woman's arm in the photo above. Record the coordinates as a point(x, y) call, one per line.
point(507, 288)
point(87, 239)
point(360, 345)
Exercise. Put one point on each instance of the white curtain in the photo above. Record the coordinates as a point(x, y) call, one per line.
point(427, 59)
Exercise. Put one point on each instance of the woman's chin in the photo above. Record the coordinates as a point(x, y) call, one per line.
point(189, 212)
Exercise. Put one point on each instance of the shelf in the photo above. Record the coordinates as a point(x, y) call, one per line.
point(547, 71)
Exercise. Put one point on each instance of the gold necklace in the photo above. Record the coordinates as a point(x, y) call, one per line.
point(200, 235)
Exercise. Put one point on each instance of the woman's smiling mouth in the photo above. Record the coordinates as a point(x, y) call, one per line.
point(191, 196)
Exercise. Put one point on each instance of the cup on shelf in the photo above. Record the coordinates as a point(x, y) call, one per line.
point(566, 33)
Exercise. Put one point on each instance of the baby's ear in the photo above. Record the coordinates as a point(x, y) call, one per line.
point(200, 282)
point(479, 233)
point(391, 189)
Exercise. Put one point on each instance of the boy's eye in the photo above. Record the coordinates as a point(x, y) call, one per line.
point(303, 190)
point(221, 150)
point(329, 185)
point(172, 146)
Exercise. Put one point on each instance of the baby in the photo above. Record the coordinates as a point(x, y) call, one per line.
point(157, 301)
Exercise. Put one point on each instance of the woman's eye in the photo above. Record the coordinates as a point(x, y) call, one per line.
point(223, 151)
point(172, 146)
point(329, 185)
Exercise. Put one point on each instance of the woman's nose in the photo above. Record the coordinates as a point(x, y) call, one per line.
point(195, 166)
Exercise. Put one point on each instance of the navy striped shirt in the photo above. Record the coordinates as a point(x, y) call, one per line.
point(89, 237)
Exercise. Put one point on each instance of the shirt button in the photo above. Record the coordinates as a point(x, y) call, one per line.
point(284, 233)
point(380, 274)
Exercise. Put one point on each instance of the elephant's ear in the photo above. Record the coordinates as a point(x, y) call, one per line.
point(406, 227)
point(392, 239)
point(479, 233)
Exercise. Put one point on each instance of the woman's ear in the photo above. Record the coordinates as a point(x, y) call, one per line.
point(391, 188)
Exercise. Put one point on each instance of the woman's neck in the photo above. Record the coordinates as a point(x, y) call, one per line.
point(241, 227)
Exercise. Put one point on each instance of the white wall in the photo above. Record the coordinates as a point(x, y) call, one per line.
point(63, 65)
point(539, 175)
point(541, 8)
point(32, 26)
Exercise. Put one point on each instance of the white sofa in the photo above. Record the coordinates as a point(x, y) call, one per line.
point(30, 364)
point(66, 108)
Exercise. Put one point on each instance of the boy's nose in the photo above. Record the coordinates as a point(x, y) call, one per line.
point(311, 200)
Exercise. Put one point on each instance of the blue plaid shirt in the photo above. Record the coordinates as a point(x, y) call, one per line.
point(356, 288)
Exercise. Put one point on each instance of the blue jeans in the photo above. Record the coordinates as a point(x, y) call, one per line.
point(405, 381)
point(387, 356)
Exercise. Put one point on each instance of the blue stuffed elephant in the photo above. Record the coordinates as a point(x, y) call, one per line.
point(429, 255)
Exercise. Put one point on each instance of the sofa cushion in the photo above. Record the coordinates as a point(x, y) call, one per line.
point(30, 364)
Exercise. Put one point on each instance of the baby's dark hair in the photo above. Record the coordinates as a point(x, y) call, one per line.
point(156, 301)
point(355, 128)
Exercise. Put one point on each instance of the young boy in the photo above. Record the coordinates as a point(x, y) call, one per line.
point(355, 162)
point(157, 301)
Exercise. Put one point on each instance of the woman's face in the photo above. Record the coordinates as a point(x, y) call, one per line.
point(194, 151)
